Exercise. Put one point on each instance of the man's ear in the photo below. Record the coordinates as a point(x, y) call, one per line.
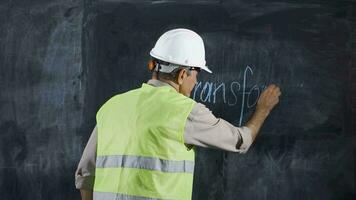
point(181, 76)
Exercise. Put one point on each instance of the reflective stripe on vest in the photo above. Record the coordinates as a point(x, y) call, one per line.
point(117, 196)
point(141, 162)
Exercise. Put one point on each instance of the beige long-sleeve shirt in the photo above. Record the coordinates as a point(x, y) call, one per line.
point(202, 129)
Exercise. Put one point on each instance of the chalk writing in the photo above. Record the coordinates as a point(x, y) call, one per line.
point(229, 93)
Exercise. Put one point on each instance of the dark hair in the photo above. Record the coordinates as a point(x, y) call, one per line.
point(172, 76)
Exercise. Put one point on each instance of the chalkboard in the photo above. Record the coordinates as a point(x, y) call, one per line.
point(41, 98)
point(306, 147)
point(61, 60)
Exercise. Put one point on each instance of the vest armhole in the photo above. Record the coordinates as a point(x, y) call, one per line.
point(192, 104)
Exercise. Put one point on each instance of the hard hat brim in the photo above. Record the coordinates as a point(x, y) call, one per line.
point(205, 68)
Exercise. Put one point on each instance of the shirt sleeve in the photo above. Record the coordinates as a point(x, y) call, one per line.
point(85, 173)
point(205, 130)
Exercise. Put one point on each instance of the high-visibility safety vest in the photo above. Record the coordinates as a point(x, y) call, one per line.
point(141, 153)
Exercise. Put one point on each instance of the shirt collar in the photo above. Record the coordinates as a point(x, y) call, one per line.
point(158, 83)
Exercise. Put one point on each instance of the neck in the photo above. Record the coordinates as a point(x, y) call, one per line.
point(171, 83)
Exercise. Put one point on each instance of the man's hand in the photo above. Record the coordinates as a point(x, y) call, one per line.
point(86, 194)
point(268, 100)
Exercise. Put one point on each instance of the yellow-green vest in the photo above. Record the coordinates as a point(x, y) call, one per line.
point(141, 152)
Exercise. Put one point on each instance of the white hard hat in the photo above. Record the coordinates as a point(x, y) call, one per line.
point(180, 47)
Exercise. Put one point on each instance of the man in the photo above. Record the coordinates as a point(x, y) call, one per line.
point(142, 145)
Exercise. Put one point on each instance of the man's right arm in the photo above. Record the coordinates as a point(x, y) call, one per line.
point(268, 100)
point(205, 130)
